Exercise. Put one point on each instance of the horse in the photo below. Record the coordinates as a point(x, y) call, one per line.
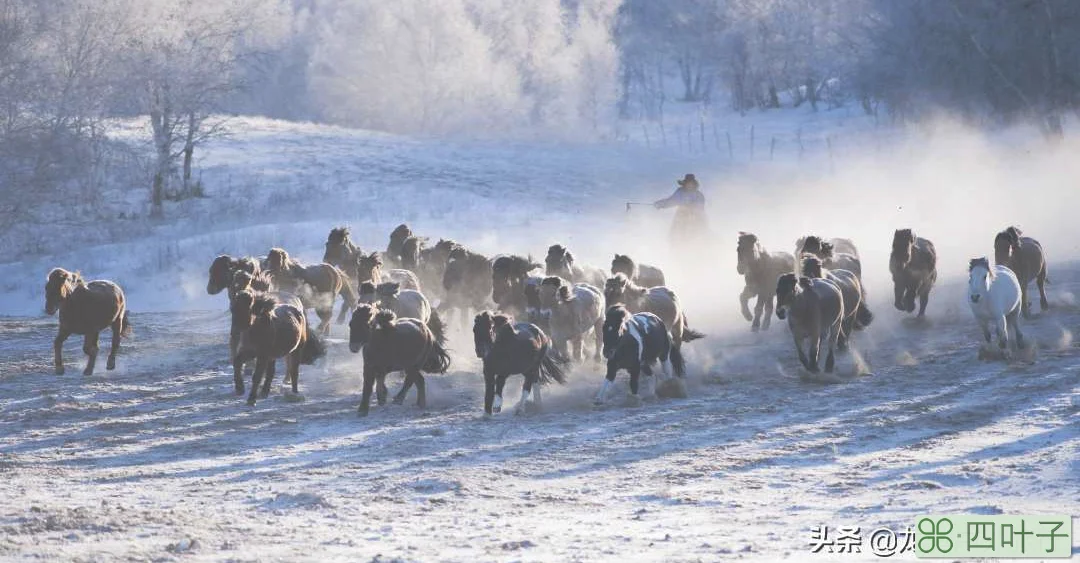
point(814, 309)
point(857, 314)
point(659, 301)
point(315, 285)
point(405, 303)
point(278, 330)
point(510, 275)
point(222, 269)
point(913, 265)
point(760, 269)
point(342, 252)
point(995, 296)
point(641, 274)
point(241, 310)
point(508, 348)
point(560, 262)
point(397, 240)
point(85, 308)
point(571, 313)
point(1025, 257)
point(634, 342)
point(429, 263)
point(836, 253)
point(467, 283)
point(369, 269)
point(242, 281)
point(393, 344)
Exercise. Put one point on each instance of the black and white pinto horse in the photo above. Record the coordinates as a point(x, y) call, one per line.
point(634, 342)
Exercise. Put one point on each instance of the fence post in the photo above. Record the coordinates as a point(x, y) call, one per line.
point(645, 130)
point(730, 150)
point(772, 148)
point(751, 142)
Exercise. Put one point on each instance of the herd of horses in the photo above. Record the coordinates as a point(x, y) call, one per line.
point(536, 319)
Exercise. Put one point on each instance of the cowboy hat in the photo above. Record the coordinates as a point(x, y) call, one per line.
point(688, 179)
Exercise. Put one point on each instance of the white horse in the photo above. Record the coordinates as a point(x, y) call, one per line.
point(994, 297)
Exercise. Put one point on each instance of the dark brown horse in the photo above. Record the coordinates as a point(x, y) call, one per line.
point(369, 268)
point(278, 330)
point(759, 269)
point(814, 309)
point(1025, 257)
point(393, 344)
point(510, 275)
point(560, 262)
point(242, 281)
point(397, 241)
point(641, 274)
point(467, 283)
point(428, 263)
point(342, 252)
point(222, 269)
point(857, 314)
point(508, 348)
point(836, 253)
point(241, 310)
point(913, 264)
point(315, 285)
point(405, 303)
point(86, 309)
point(659, 301)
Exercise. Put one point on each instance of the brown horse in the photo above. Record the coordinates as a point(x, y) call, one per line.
point(369, 269)
point(759, 269)
point(1025, 257)
point(342, 252)
point(814, 309)
point(315, 285)
point(428, 263)
point(509, 348)
point(241, 310)
point(86, 309)
point(222, 269)
point(405, 303)
point(836, 253)
point(510, 277)
point(560, 262)
point(913, 264)
point(242, 281)
point(397, 241)
point(659, 301)
point(641, 274)
point(466, 282)
point(393, 344)
point(277, 330)
point(857, 314)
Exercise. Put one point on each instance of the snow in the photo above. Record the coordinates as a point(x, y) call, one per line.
point(159, 460)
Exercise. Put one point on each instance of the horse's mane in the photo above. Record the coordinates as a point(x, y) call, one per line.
point(1011, 235)
point(805, 282)
point(562, 288)
point(338, 235)
point(446, 244)
point(810, 264)
point(384, 319)
point(263, 305)
point(388, 289)
point(624, 260)
point(981, 262)
point(747, 238)
point(558, 252)
point(512, 264)
point(616, 313)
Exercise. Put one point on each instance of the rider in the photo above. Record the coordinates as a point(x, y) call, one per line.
point(690, 216)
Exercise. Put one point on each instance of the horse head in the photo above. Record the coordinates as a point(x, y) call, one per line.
point(1005, 244)
point(559, 261)
point(367, 265)
point(553, 290)
point(748, 251)
point(615, 289)
point(360, 326)
point(338, 246)
point(241, 308)
point(483, 334)
point(623, 264)
point(397, 238)
point(277, 260)
point(615, 320)
point(811, 266)
point(902, 244)
point(219, 274)
point(58, 287)
point(787, 287)
point(980, 275)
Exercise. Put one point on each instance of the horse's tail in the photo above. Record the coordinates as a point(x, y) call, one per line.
point(863, 316)
point(314, 348)
point(125, 325)
point(438, 359)
point(552, 366)
point(689, 334)
point(347, 293)
point(678, 363)
point(437, 327)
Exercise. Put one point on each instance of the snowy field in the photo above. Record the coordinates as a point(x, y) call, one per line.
point(158, 460)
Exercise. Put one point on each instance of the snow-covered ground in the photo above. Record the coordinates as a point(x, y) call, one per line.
point(159, 460)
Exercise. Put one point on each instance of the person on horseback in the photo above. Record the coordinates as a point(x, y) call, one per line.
point(689, 202)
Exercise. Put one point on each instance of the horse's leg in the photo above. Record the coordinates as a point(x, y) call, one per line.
point(635, 379)
point(400, 397)
point(526, 389)
point(271, 368)
point(759, 307)
point(1013, 320)
point(325, 318)
point(421, 390)
point(114, 347)
point(1001, 327)
point(90, 347)
point(766, 320)
point(899, 291)
point(489, 392)
point(58, 349)
point(598, 333)
point(984, 324)
point(609, 380)
point(1025, 307)
point(832, 337)
point(1041, 281)
point(293, 368)
point(238, 374)
point(500, 382)
point(256, 376)
point(799, 348)
point(846, 325)
point(536, 391)
point(365, 397)
point(744, 302)
point(815, 350)
point(924, 298)
point(579, 345)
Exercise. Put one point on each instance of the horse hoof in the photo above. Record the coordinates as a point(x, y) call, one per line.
point(60, 371)
point(251, 402)
point(755, 328)
point(239, 391)
point(398, 401)
point(88, 372)
point(362, 411)
point(264, 394)
point(110, 366)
